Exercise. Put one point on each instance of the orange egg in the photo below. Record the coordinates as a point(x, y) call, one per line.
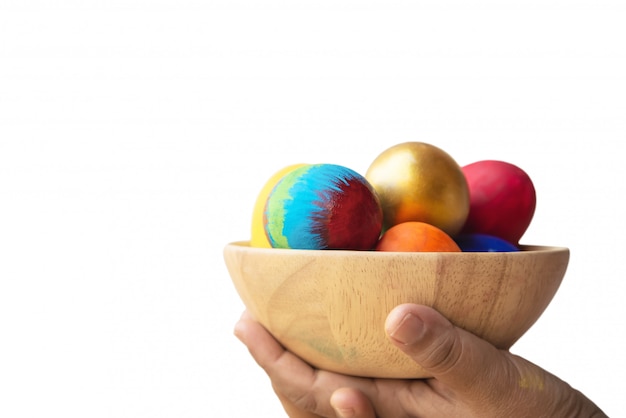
point(416, 236)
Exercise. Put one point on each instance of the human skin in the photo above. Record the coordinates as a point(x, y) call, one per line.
point(472, 378)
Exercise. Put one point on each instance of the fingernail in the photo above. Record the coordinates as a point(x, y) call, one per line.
point(238, 330)
point(409, 330)
point(341, 400)
point(344, 412)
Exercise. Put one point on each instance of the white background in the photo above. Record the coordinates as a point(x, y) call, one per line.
point(135, 135)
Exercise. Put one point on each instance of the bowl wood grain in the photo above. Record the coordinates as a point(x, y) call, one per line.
point(329, 307)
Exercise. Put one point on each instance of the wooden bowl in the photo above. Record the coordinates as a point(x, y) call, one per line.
point(329, 307)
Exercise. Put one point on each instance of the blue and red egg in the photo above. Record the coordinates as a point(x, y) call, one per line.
point(323, 206)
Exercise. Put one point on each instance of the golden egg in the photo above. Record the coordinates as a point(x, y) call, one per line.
point(416, 181)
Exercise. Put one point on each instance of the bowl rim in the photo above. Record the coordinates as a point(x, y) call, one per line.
point(525, 249)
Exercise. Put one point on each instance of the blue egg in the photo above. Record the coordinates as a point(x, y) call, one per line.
point(483, 243)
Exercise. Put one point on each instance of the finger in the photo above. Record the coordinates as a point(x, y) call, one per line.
point(455, 357)
point(299, 386)
point(292, 410)
point(283, 368)
point(351, 403)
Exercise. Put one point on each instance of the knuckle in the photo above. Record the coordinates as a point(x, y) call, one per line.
point(443, 354)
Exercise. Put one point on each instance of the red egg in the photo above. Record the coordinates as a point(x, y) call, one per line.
point(502, 200)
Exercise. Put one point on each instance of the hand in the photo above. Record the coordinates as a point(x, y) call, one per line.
point(471, 377)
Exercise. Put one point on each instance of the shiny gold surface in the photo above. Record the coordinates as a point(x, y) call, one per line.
point(417, 181)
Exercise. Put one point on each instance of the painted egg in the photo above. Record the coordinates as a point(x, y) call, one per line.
point(323, 206)
point(257, 233)
point(483, 243)
point(416, 236)
point(419, 182)
point(502, 200)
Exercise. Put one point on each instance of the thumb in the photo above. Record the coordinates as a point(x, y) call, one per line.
point(453, 356)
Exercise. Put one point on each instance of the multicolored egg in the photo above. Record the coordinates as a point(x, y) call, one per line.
point(419, 182)
point(323, 206)
point(418, 237)
point(483, 243)
point(257, 232)
point(502, 200)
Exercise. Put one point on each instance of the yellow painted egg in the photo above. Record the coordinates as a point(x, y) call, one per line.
point(257, 236)
point(416, 181)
